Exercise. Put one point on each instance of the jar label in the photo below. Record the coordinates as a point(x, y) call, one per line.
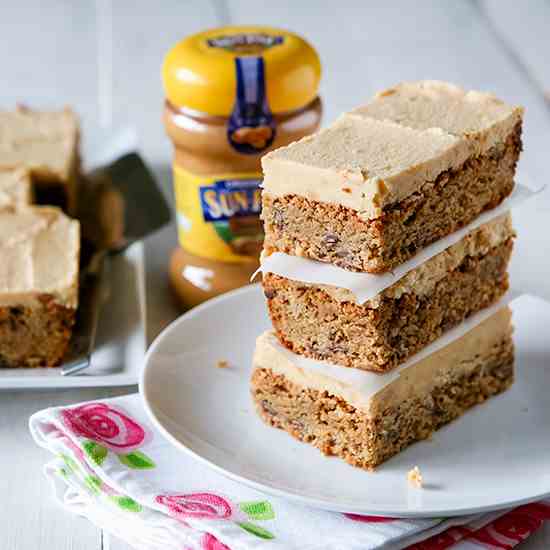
point(218, 216)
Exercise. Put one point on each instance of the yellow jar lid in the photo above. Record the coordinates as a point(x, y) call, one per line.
point(199, 72)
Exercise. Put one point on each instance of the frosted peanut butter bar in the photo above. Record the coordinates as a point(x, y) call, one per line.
point(40, 248)
point(15, 189)
point(45, 143)
point(418, 162)
point(366, 421)
point(325, 322)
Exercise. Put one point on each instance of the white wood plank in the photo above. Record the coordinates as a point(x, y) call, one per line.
point(523, 27)
point(51, 57)
point(30, 517)
point(143, 32)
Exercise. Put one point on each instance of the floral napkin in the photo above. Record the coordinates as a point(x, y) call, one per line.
point(113, 468)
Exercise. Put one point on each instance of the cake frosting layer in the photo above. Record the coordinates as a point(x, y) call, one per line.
point(371, 392)
point(40, 248)
point(42, 141)
point(361, 164)
point(15, 189)
point(481, 118)
point(383, 152)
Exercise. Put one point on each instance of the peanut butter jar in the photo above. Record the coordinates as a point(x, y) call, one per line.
point(232, 95)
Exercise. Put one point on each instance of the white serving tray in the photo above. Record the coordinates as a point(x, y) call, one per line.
point(121, 339)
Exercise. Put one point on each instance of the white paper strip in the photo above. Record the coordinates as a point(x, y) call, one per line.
point(367, 285)
point(366, 383)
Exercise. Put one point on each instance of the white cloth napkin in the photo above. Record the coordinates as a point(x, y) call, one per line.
point(112, 467)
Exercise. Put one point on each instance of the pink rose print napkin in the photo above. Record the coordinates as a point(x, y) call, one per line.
point(110, 466)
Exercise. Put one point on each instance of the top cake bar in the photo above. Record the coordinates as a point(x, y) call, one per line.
point(46, 144)
point(418, 162)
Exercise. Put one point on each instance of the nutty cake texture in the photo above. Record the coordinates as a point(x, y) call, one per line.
point(326, 323)
point(366, 430)
point(391, 177)
point(35, 336)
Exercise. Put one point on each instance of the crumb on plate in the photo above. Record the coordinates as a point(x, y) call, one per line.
point(222, 364)
point(414, 477)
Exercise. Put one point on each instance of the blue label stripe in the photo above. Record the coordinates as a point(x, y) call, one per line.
point(251, 109)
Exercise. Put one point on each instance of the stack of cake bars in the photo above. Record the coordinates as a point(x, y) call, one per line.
point(415, 165)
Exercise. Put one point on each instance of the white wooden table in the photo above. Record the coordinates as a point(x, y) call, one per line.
point(104, 58)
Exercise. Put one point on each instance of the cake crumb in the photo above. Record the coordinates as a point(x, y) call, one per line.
point(414, 477)
point(385, 93)
point(346, 189)
point(222, 364)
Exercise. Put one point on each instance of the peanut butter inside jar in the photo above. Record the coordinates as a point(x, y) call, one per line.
point(232, 95)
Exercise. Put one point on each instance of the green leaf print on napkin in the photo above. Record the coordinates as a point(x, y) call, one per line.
point(256, 530)
point(94, 484)
point(127, 503)
point(137, 461)
point(70, 463)
point(257, 510)
point(96, 452)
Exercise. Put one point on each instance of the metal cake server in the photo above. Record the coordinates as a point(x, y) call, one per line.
point(119, 204)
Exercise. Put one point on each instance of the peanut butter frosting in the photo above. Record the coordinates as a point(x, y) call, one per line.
point(481, 118)
point(40, 248)
point(15, 189)
point(45, 142)
point(382, 152)
point(467, 346)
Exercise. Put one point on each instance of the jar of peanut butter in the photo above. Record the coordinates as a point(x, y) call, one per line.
point(232, 95)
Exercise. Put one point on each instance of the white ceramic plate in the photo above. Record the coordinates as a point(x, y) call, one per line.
point(121, 338)
point(495, 456)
